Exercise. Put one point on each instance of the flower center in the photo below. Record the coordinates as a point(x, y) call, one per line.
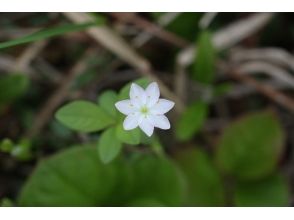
point(144, 110)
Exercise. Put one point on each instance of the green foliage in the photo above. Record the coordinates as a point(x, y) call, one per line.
point(12, 87)
point(128, 137)
point(159, 178)
point(272, 191)
point(183, 23)
point(84, 116)
point(250, 148)
point(107, 100)
point(76, 177)
point(6, 202)
point(191, 120)
point(21, 150)
point(204, 66)
point(124, 92)
point(204, 181)
point(108, 146)
point(47, 33)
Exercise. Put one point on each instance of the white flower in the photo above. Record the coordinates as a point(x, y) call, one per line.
point(145, 109)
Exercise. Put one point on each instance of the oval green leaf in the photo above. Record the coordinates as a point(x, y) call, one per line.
point(250, 148)
point(84, 116)
point(204, 67)
point(191, 121)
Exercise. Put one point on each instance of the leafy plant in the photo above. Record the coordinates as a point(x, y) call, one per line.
point(60, 181)
point(85, 116)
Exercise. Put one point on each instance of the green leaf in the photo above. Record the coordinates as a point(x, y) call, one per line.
point(75, 177)
point(272, 191)
point(128, 137)
point(12, 86)
point(250, 148)
point(204, 67)
point(191, 121)
point(204, 181)
point(160, 179)
point(6, 145)
point(84, 116)
point(109, 146)
point(107, 101)
point(124, 92)
point(145, 202)
point(47, 33)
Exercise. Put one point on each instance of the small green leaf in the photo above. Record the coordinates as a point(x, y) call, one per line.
point(191, 121)
point(204, 67)
point(46, 33)
point(12, 86)
point(128, 137)
point(84, 116)
point(272, 191)
point(204, 181)
point(250, 148)
point(107, 101)
point(124, 92)
point(109, 146)
point(6, 145)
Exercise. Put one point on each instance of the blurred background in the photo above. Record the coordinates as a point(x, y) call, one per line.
point(230, 75)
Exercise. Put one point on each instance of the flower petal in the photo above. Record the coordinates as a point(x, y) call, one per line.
point(137, 95)
point(146, 127)
point(125, 106)
point(152, 94)
point(159, 121)
point(131, 121)
point(162, 106)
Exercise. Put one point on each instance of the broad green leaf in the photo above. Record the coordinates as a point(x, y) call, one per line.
point(12, 86)
point(75, 177)
point(47, 33)
point(128, 137)
point(272, 191)
point(204, 181)
point(6, 202)
point(108, 146)
point(204, 66)
point(84, 116)
point(107, 101)
point(124, 92)
point(191, 121)
point(250, 148)
point(146, 202)
point(160, 179)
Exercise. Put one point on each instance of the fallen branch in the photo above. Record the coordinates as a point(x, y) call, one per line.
point(266, 90)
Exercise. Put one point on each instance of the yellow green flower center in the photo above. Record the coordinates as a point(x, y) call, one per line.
point(144, 110)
